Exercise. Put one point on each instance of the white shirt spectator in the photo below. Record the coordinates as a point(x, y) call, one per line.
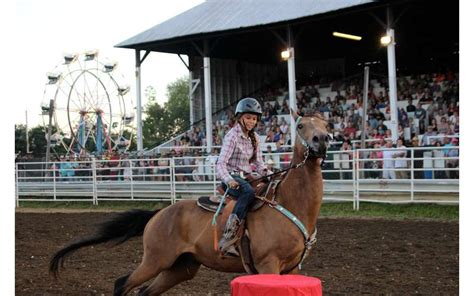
point(388, 161)
point(400, 161)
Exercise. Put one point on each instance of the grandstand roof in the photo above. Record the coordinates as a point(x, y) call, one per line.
point(223, 15)
point(247, 30)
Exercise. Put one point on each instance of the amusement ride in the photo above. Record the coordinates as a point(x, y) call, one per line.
point(86, 108)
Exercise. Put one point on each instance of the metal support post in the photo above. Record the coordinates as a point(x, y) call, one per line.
point(207, 96)
point(139, 100)
point(292, 91)
point(94, 182)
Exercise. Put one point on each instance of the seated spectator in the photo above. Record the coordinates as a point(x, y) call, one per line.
point(426, 141)
point(379, 115)
point(350, 129)
point(277, 135)
point(443, 127)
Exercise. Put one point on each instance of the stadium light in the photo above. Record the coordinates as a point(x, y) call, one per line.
point(385, 40)
point(286, 54)
point(346, 36)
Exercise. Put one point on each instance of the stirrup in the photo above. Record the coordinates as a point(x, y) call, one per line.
point(231, 251)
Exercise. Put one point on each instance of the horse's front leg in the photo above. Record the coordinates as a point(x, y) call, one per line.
point(270, 264)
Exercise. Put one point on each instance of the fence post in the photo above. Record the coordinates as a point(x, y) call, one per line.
point(132, 195)
point(172, 179)
point(412, 174)
point(94, 182)
point(54, 182)
point(17, 195)
point(355, 179)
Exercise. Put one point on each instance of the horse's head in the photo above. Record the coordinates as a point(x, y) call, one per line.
point(313, 134)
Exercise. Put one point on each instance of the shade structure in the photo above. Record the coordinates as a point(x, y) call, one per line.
point(276, 285)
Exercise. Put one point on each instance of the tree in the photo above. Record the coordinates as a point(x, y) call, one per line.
point(38, 142)
point(164, 122)
point(178, 103)
point(20, 138)
point(36, 137)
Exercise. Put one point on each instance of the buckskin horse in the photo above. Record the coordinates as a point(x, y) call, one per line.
point(179, 239)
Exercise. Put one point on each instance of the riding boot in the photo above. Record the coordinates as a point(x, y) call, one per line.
point(226, 244)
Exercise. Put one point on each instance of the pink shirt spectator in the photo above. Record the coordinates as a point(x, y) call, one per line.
point(236, 153)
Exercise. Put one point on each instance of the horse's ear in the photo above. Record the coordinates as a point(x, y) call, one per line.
point(294, 114)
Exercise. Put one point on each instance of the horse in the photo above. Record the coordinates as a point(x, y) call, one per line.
point(178, 239)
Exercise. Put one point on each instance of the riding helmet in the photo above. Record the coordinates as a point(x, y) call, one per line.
point(249, 105)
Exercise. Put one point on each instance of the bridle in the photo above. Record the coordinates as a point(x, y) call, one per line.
point(309, 151)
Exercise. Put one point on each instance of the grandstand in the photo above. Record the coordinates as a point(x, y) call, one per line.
point(242, 40)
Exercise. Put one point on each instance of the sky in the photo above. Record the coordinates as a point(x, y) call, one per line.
point(47, 29)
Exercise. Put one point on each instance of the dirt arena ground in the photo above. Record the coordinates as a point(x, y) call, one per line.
point(352, 257)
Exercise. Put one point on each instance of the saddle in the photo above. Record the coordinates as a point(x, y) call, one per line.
point(264, 191)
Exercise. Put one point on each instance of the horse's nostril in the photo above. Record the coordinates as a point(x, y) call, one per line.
point(315, 139)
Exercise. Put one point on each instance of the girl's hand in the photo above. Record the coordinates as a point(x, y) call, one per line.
point(233, 184)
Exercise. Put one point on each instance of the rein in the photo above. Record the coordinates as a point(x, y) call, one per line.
point(294, 166)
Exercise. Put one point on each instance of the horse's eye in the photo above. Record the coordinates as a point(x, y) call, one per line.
point(300, 126)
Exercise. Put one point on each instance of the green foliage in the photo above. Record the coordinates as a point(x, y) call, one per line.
point(38, 142)
point(164, 122)
point(328, 209)
point(398, 211)
point(178, 103)
point(20, 138)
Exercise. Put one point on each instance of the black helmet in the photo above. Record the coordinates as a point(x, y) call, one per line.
point(249, 105)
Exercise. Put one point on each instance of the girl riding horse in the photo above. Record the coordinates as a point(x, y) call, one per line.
point(240, 150)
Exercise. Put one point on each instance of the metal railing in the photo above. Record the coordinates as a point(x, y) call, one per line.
point(421, 175)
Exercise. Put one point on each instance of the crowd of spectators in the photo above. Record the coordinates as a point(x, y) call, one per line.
point(432, 121)
point(435, 114)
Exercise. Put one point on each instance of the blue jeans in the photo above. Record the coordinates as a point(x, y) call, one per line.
point(245, 196)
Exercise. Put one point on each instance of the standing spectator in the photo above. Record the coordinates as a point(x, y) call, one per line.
point(346, 158)
point(376, 156)
point(400, 160)
point(418, 158)
point(420, 114)
point(163, 168)
point(410, 106)
point(452, 163)
point(126, 168)
point(388, 163)
point(210, 163)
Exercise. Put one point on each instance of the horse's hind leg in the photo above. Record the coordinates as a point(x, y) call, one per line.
point(148, 269)
point(184, 268)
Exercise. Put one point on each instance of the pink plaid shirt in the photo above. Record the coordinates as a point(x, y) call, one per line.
point(236, 153)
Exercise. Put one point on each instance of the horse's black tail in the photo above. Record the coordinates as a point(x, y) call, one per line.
point(118, 230)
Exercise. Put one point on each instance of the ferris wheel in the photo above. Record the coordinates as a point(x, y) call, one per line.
point(87, 106)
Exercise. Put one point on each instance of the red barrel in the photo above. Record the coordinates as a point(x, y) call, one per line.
point(276, 285)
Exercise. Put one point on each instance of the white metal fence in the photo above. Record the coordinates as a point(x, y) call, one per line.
point(413, 175)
